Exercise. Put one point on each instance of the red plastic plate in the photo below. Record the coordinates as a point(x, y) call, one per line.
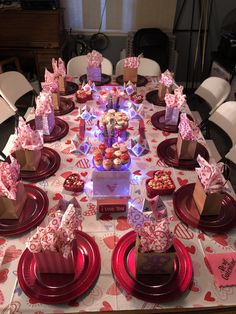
point(154, 288)
point(60, 130)
point(66, 106)
point(61, 288)
point(186, 210)
point(106, 79)
point(142, 80)
point(166, 151)
point(34, 211)
point(71, 88)
point(152, 97)
point(49, 164)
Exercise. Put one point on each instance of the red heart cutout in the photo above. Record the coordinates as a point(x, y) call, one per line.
point(131, 128)
point(89, 129)
point(66, 150)
point(66, 174)
point(208, 265)
point(2, 241)
point(113, 290)
point(149, 159)
point(75, 129)
point(11, 254)
point(182, 181)
point(181, 173)
point(137, 173)
point(201, 236)
point(191, 249)
point(165, 133)
point(68, 142)
point(57, 197)
point(105, 216)
point(84, 174)
point(106, 307)
point(111, 241)
point(221, 239)
point(69, 159)
point(182, 231)
point(2, 300)
point(209, 297)
point(194, 288)
point(3, 275)
point(150, 173)
point(122, 223)
point(209, 249)
point(84, 199)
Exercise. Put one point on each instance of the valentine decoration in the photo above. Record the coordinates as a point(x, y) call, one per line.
point(174, 103)
point(94, 66)
point(44, 113)
point(165, 83)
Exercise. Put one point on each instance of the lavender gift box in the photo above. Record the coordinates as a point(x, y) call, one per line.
point(94, 74)
point(45, 123)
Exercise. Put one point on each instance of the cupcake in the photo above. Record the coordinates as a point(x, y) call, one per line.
point(109, 150)
point(124, 158)
point(102, 147)
point(96, 152)
point(117, 154)
point(117, 163)
point(109, 155)
point(98, 160)
point(81, 96)
point(116, 146)
point(124, 149)
point(107, 164)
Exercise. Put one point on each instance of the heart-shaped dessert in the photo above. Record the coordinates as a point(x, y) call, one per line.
point(73, 183)
point(160, 184)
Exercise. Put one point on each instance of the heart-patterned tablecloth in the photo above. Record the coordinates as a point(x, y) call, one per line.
point(107, 229)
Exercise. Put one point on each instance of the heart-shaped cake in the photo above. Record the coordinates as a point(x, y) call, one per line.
point(160, 184)
point(74, 183)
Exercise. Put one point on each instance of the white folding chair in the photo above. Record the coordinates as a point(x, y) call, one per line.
point(147, 67)
point(225, 117)
point(6, 110)
point(77, 66)
point(13, 85)
point(231, 155)
point(214, 90)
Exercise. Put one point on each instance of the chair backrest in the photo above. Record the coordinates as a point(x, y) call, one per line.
point(225, 117)
point(147, 67)
point(77, 66)
point(231, 155)
point(214, 90)
point(6, 110)
point(13, 85)
point(154, 44)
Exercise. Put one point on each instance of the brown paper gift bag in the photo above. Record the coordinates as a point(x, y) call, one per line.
point(11, 209)
point(28, 159)
point(130, 74)
point(207, 204)
point(162, 90)
point(62, 84)
point(153, 262)
point(186, 149)
point(56, 100)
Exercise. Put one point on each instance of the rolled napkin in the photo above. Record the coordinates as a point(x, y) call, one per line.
point(177, 99)
point(26, 138)
point(9, 175)
point(44, 104)
point(58, 235)
point(188, 129)
point(58, 67)
point(211, 175)
point(132, 62)
point(94, 58)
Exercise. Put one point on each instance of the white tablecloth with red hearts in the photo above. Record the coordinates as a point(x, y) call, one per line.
point(106, 296)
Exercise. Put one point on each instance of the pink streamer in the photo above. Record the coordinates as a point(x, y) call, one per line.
point(9, 175)
point(211, 176)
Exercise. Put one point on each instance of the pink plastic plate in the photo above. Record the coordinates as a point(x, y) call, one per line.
point(34, 211)
point(60, 130)
point(166, 151)
point(154, 288)
point(186, 210)
point(61, 288)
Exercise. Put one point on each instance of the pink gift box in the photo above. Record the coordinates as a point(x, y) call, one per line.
point(55, 262)
point(45, 123)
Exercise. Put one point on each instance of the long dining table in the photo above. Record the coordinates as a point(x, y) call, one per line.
point(105, 294)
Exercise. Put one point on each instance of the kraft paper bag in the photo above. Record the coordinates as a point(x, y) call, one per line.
point(11, 209)
point(186, 149)
point(130, 74)
point(153, 262)
point(207, 204)
point(162, 90)
point(28, 159)
point(61, 84)
point(56, 101)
